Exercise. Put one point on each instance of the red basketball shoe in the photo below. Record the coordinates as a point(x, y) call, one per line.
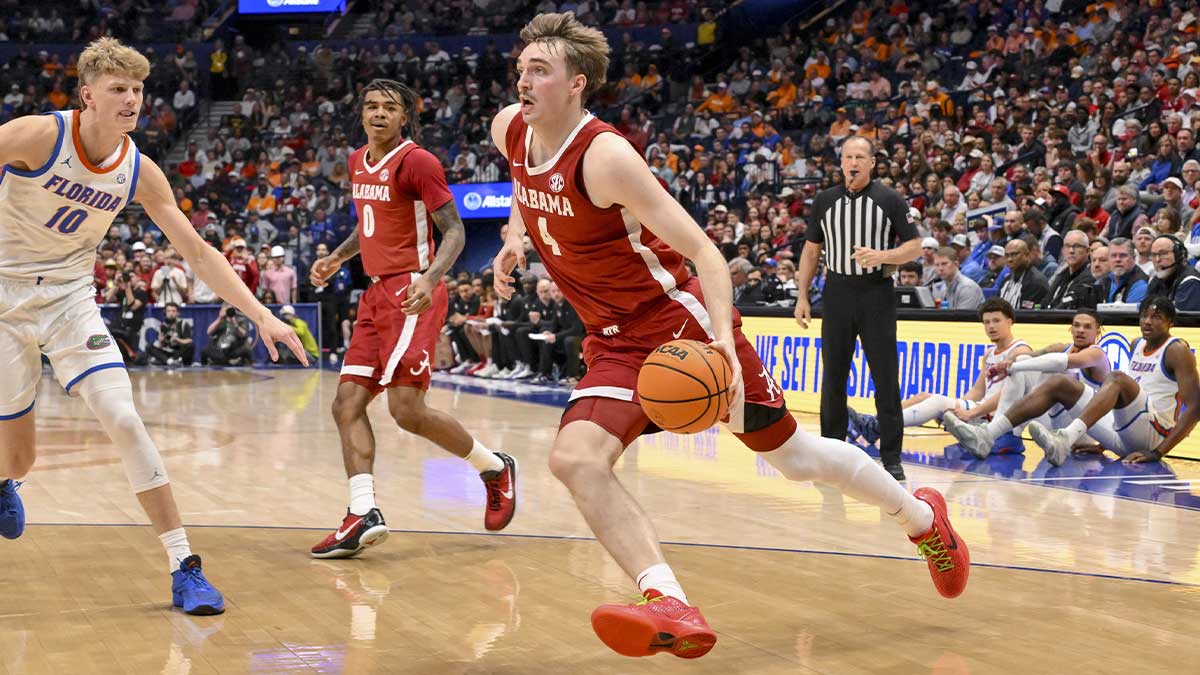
point(944, 551)
point(355, 534)
point(656, 623)
point(501, 494)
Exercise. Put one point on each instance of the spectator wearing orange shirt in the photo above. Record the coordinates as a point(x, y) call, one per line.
point(720, 101)
point(262, 201)
point(995, 42)
point(841, 126)
point(59, 97)
point(819, 68)
point(784, 95)
point(165, 117)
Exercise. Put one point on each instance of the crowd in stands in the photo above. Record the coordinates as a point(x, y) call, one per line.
point(81, 21)
point(1041, 153)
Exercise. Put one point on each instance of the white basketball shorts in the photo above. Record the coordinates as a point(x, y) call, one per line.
point(61, 321)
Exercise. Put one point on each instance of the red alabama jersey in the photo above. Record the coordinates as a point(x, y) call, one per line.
point(609, 267)
point(395, 199)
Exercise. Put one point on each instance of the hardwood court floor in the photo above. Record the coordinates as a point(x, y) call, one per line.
point(1087, 568)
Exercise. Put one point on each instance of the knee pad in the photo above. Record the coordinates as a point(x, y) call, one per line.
point(767, 428)
point(109, 394)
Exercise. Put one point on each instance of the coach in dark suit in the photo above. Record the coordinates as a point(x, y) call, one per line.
point(863, 227)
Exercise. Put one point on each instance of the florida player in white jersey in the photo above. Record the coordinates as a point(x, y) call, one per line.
point(1154, 399)
point(66, 175)
point(1020, 374)
point(400, 194)
point(981, 399)
point(615, 242)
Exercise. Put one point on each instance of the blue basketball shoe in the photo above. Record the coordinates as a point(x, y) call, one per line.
point(12, 511)
point(862, 426)
point(192, 591)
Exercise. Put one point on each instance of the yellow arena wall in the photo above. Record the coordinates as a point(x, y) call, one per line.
point(942, 357)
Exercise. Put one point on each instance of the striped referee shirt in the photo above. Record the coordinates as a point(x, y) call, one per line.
point(877, 217)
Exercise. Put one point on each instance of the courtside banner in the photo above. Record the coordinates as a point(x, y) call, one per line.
point(941, 357)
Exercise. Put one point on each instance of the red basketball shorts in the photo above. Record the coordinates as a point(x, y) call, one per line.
point(391, 348)
point(613, 363)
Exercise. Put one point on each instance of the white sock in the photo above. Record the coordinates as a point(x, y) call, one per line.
point(845, 467)
point(362, 494)
point(483, 459)
point(1074, 430)
point(929, 409)
point(999, 426)
point(176, 543)
point(662, 579)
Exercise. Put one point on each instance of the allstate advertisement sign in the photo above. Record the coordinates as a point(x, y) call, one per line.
point(290, 6)
point(482, 200)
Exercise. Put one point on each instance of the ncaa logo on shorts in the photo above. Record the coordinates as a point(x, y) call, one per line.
point(472, 201)
point(1117, 348)
point(98, 341)
point(383, 175)
point(556, 182)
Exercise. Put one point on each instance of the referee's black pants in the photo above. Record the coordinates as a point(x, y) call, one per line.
point(862, 307)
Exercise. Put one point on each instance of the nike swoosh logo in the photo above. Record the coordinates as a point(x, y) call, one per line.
point(950, 532)
point(508, 494)
point(359, 172)
point(402, 290)
point(679, 332)
point(517, 164)
point(342, 533)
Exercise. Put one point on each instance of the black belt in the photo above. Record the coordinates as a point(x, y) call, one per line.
point(869, 279)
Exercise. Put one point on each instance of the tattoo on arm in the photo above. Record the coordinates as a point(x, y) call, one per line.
point(454, 237)
point(349, 248)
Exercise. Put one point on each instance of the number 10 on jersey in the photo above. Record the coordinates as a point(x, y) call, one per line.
point(69, 224)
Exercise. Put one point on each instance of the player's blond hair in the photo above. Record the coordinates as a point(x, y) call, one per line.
point(107, 56)
point(584, 48)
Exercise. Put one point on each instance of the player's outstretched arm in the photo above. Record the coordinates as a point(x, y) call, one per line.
point(154, 194)
point(614, 173)
point(1182, 363)
point(26, 142)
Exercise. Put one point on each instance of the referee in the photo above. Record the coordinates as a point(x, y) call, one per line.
point(861, 226)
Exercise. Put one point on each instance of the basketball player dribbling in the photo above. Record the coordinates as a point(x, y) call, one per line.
point(615, 242)
point(400, 193)
point(66, 175)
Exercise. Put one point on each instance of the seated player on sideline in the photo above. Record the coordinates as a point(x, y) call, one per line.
point(980, 400)
point(1144, 398)
point(1081, 359)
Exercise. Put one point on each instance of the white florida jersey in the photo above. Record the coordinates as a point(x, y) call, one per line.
point(1079, 374)
point(1162, 391)
point(53, 217)
point(992, 357)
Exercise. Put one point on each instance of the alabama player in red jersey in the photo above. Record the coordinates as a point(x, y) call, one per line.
point(400, 193)
point(615, 242)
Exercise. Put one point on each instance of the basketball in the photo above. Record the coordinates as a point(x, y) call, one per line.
point(684, 386)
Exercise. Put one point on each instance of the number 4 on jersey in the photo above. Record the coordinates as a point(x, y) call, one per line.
point(546, 238)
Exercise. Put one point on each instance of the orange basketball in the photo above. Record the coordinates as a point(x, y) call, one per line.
point(684, 386)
